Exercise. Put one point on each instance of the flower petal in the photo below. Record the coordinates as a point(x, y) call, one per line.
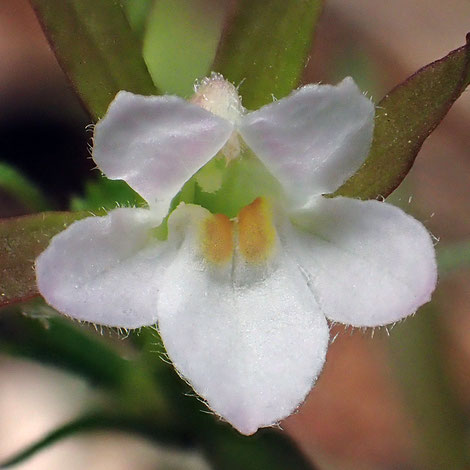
point(105, 270)
point(156, 143)
point(313, 140)
point(249, 341)
point(368, 262)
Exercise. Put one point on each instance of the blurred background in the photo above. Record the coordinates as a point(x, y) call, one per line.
point(366, 411)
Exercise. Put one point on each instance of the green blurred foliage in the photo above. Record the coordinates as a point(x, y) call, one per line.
point(453, 257)
point(418, 354)
point(22, 239)
point(14, 183)
point(107, 194)
point(180, 42)
point(267, 47)
point(96, 48)
point(404, 119)
point(137, 12)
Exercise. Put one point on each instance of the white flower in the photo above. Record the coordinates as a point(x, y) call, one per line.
point(242, 304)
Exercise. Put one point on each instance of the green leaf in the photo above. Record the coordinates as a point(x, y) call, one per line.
point(22, 239)
point(21, 188)
point(96, 48)
point(404, 119)
point(137, 12)
point(225, 449)
point(98, 422)
point(56, 341)
point(45, 336)
point(104, 193)
point(181, 41)
point(267, 47)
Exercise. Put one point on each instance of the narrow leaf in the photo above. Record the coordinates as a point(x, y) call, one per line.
point(404, 119)
point(21, 188)
point(108, 194)
point(21, 241)
point(137, 12)
point(96, 48)
point(267, 47)
point(56, 341)
point(98, 422)
point(181, 41)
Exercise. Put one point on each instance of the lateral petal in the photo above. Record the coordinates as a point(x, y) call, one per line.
point(156, 143)
point(105, 270)
point(314, 139)
point(368, 262)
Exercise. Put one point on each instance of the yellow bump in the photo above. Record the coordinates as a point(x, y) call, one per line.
point(256, 233)
point(217, 239)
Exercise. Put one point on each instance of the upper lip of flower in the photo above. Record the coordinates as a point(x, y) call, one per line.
point(242, 308)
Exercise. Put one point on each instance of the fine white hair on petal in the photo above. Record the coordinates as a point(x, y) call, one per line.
point(156, 143)
point(105, 270)
point(252, 350)
point(314, 139)
point(368, 262)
